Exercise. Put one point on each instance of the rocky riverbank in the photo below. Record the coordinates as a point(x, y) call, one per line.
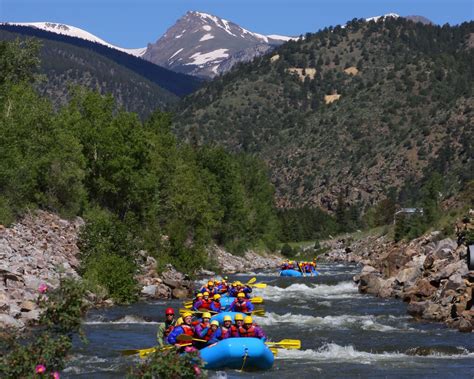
point(429, 273)
point(42, 246)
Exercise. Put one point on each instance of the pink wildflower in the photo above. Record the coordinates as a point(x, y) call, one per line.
point(40, 369)
point(197, 370)
point(55, 375)
point(43, 288)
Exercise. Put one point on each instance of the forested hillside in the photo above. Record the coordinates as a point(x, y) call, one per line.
point(136, 84)
point(349, 115)
point(137, 188)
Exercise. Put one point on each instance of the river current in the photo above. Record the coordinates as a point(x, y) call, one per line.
point(344, 334)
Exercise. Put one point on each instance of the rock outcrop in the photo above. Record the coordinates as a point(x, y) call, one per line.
point(251, 260)
point(35, 251)
point(429, 273)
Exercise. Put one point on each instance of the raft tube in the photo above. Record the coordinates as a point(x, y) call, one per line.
point(220, 316)
point(292, 273)
point(226, 301)
point(238, 353)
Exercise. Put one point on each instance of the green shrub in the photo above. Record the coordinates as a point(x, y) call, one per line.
point(287, 251)
point(169, 365)
point(23, 355)
point(115, 274)
point(6, 213)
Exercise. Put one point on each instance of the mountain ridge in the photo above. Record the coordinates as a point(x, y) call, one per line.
point(342, 112)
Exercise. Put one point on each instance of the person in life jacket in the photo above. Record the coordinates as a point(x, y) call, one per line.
point(165, 328)
point(216, 304)
point(249, 329)
point(222, 287)
point(197, 302)
point(244, 288)
point(210, 288)
point(227, 328)
point(185, 328)
point(200, 326)
point(205, 302)
point(241, 304)
point(213, 333)
point(239, 322)
point(233, 290)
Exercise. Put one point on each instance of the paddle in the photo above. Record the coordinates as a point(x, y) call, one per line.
point(186, 338)
point(259, 285)
point(285, 344)
point(252, 281)
point(147, 351)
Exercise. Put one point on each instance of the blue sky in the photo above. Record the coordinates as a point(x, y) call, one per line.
point(134, 23)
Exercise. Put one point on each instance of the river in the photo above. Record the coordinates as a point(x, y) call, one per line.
point(344, 334)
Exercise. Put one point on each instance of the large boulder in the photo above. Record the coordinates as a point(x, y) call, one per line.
point(465, 326)
point(370, 283)
point(149, 290)
point(180, 293)
point(422, 289)
point(408, 276)
point(7, 322)
point(459, 267)
point(444, 249)
point(417, 308)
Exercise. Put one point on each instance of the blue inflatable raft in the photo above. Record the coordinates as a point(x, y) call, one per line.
point(238, 353)
point(297, 274)
point(292, 273)
point(226, 301)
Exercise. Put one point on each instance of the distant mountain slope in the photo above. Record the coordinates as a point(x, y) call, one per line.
point(65, 64)
point(205, 45)
point(72, 31)
point(350, 111)
point(177, 83)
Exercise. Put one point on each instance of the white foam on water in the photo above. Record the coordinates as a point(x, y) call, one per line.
point(367, 322)
point(342, 290)
point(128, 319)
point(332, 353)
point(251, 273)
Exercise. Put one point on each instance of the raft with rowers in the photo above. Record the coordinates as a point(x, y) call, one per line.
point(225, 335)
point(298, 269)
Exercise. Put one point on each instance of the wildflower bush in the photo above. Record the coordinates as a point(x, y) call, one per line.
point(41, 353)
point(169, 365)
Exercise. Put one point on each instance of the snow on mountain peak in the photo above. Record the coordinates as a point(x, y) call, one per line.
point(376, 18)
point(72, 31)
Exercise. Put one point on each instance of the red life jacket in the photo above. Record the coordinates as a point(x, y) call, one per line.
point(241, 307)
point(209, 334)
point(250, 332)
point(188, 330)
point(206, 304)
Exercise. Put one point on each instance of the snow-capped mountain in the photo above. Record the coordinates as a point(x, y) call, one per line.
point(72, 31)
point(205, 45)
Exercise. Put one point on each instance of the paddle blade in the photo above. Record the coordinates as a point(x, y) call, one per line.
point(251, 281)
point(184, 338)
point(256, 300)
point(260, 285)
point(138, 351)
point(286, 344)
point(259, 312)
